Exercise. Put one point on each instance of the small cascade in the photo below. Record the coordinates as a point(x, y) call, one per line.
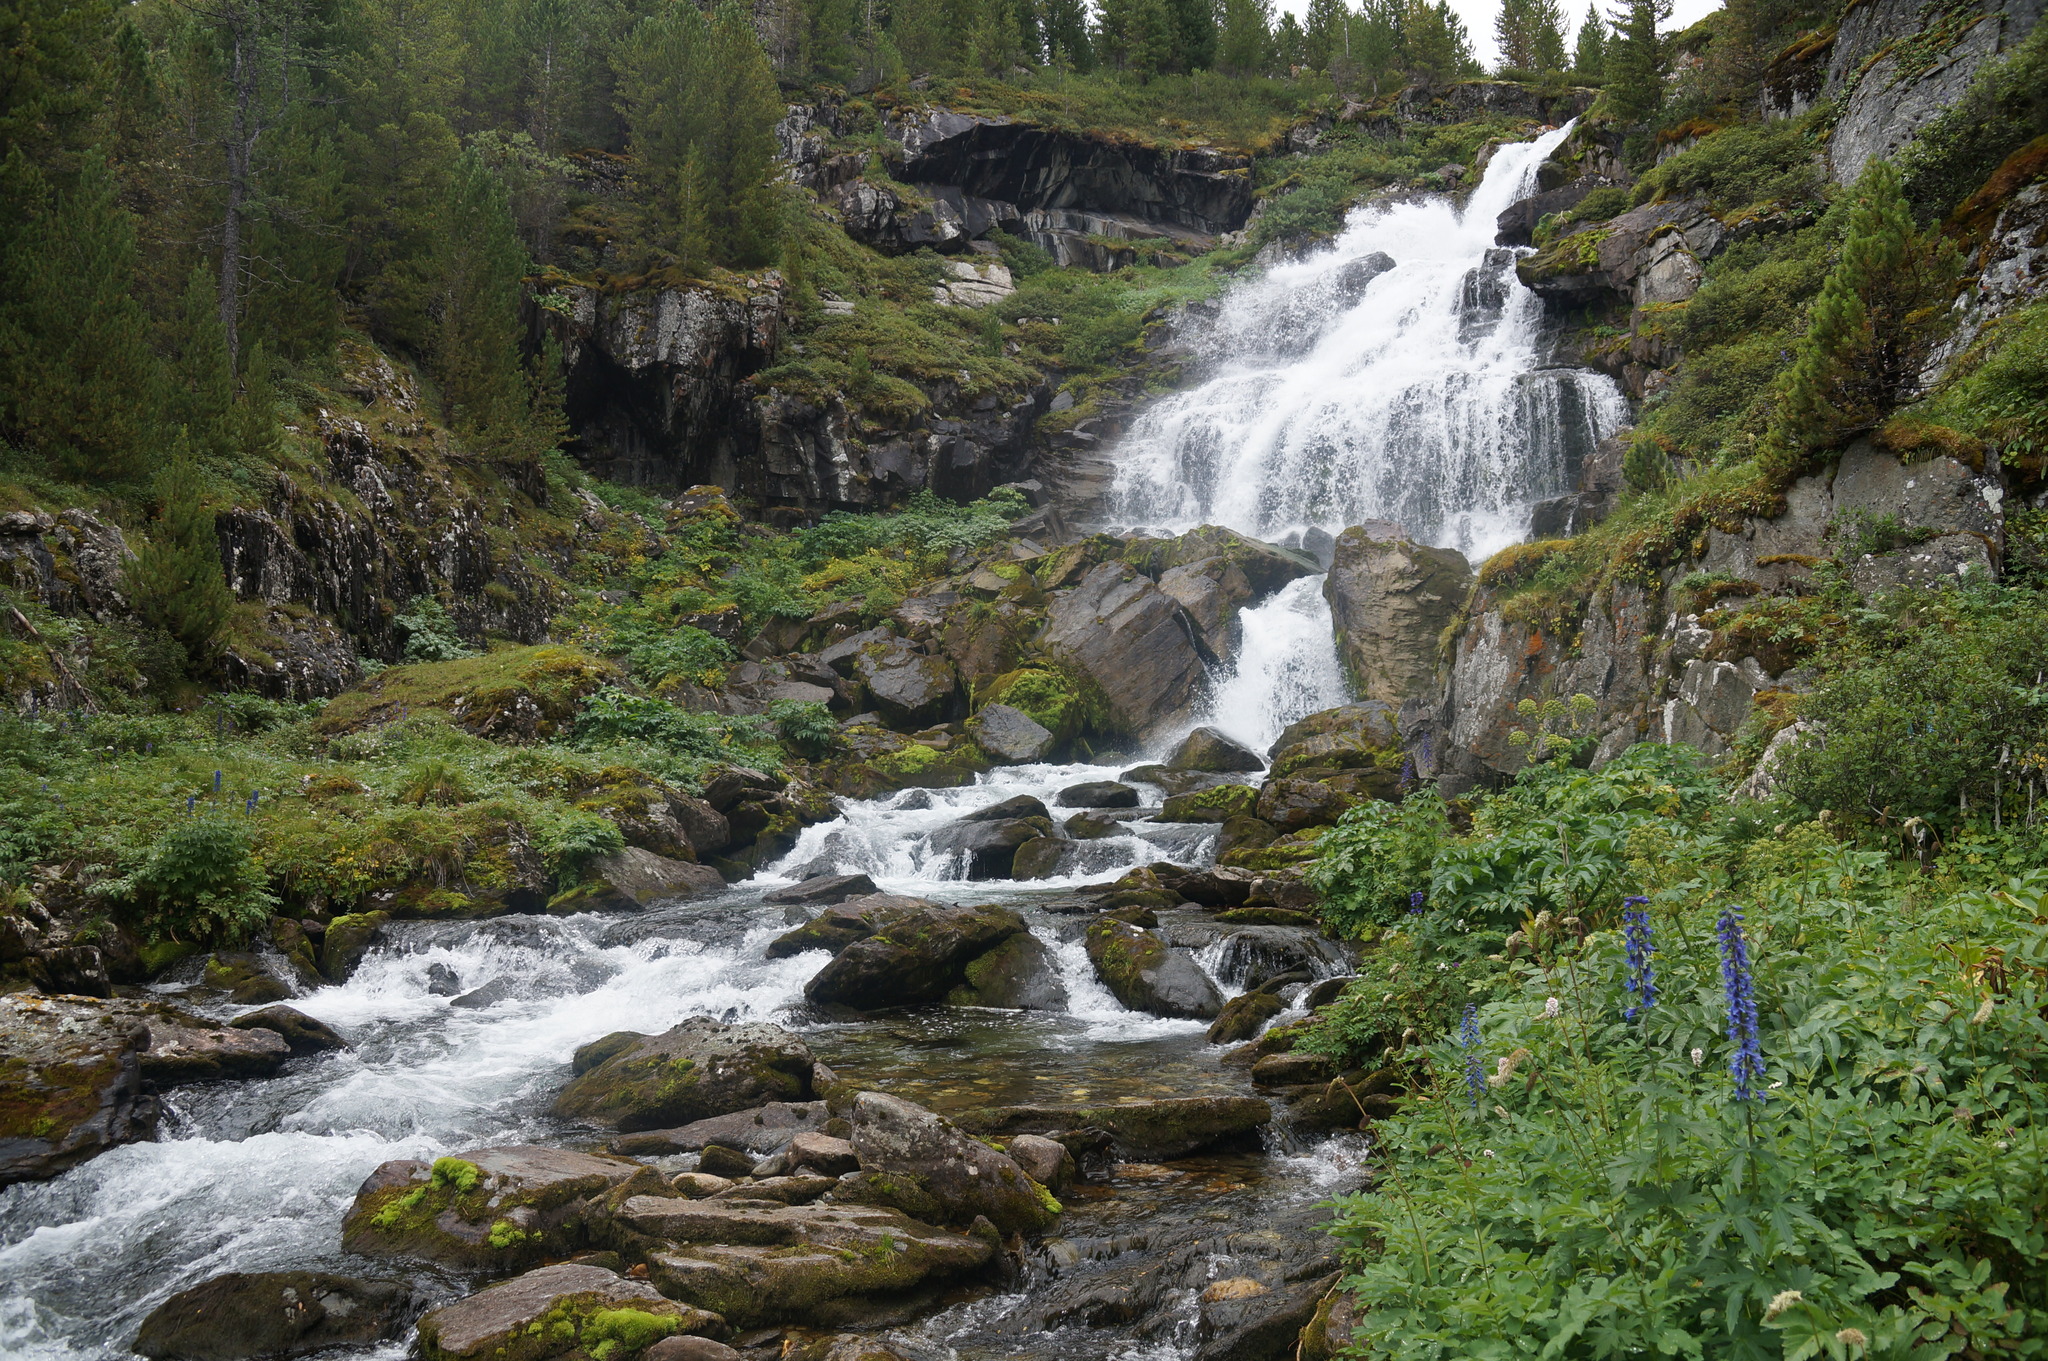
point(1398, 375)
point(1285, 667)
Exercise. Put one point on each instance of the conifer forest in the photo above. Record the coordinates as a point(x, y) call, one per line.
point(1023, 680)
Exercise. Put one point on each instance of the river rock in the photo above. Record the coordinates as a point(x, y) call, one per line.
point(1391, 599)
point(70, 1083)
point(555, 1311)
point(1009, 734)
point(1217, 803)
point(1097, 794)
point(989, 847)
point(700, 1185)
point(1242, 1016)
point(1292, 805)
point(1253, 954)
point(730, 1163)
point(1042, 857)
point(1136, 965)
point(1170, 1127)
point(1212, 591)
point(824, 889)
point(187, 1048)
point(761, 1131)
point(1093, 825)
point(491, 1209)
point(1009, 810)
point(272, 1314)
point(697, 1069)
point(915, 959)
point(689, 1349)
point(1128, 638)
point(1209, 750)
point(1045, 1161)
point(244, 979)
point(1018, 974)
point(726, 787)
point(755, 1264)
point(894, 1138)
point(348, 938)
point(631, 879)
point(1260, 1324)
point(301, 1032)
point(844, 923)
point(823, 1153)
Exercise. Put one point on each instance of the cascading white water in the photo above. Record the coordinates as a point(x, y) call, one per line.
point(1396, 376)
point(1286, 667)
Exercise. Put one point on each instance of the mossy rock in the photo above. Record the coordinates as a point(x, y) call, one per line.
point(515, 694)
point(348, 939)
point(1218, 803)
point(692, 1071)
point(570, 1309)
point(1287, 853)
point(494, 1209)
point(880, 762)
point(1145, 975)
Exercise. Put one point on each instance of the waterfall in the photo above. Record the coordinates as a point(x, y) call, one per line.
point(1286, 667)
point(1397, 375)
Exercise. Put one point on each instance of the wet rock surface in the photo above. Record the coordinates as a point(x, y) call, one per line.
point(1145, 975)
point(273, 1314)
point(917, 958)
point(70, 1084)
point(555, 1311)
point(697, 1069)
point(1172, 1127)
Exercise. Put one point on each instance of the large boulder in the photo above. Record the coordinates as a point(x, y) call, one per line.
point(1215, 753)
point(908, 688)
point(844, 923)
point(1129, 639)
point(1217, 803)
point(187, 1048)
point(301, 1032)
point(763, 1131)
point(1097, 794)
point(496, 1209)
point(699, 1068)
point(1350, 737)
point(1266, 567)
point(753, 1263)
point(630, 879)
point(70, 1083)
point(1292, 805)
point(1169, 1127)
point(988, 845)
point(1212, 592)
point(1391, 599)
point(1009, 734)
point(272, 1314)
point(916, 959)
point(823, 889)
point(1146, 975)
point(1017, 975)
point(570, 1308)
point(966, 1178)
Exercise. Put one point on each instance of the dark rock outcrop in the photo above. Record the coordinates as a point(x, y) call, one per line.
point(915, 959)
point(70, 1084)
point(1128, 638)
point(301, 1032)
point(844, 923)
point(1391, 599)
point(1146, 975)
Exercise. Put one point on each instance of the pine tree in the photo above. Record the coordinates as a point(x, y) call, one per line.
point(1635, 62)
point(1589, 55)
point(176, 576)
point(255, 417)
point(202, 379)
point(481, 268)
point(1193, 34)
point(1066, 34)
point(1514, 30)
point(78, 381)
point(1288, 44)
point(1322, 37)
point(1435, 46)
point(1873, 326)
point(693, 216)
point(50, 52)
point(1242, 48)
point(1547, 45)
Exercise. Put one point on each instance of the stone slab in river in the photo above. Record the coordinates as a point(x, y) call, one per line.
point(520, 1204)
point(896, 1138)
point(272, 1314)
point(697, 1069)
point(824, 889)
point(844, 923)
point(70, 1083)
point(500, 1323)
point(630, 879)
point(913, 960)
point(761, 1131)
point(1009, 734)
point(1137, 966)
point(1171, 1127)
point(1097, 794)
point(304, 1034)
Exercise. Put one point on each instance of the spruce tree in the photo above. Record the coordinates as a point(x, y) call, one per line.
point(1547, 39)
point(1589, 54)
point(202, 379)
point(1242, 48)
point(480, 268)
point(1288, 45)
point(1066, 34)
point(693, 216)
point(1514, 30)
point(78, 382)
point(1873, 326)
point(1635, 62)
point(176, 576)
point(1322, 36)
point(1194, 34)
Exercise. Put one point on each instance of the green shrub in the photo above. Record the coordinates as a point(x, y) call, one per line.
point(198, 883)
point(569, 839)
point(806, 725)
point(2002, 111)
point(430, 634)
point(1746, 165)
point(1375, 863)
point(659, 655)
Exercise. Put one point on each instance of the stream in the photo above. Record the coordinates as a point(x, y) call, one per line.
point(1419, 394)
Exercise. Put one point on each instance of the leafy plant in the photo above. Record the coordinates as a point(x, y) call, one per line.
point(805, 724)
point(1375, 864)
point(430, 634)
point(199, 883)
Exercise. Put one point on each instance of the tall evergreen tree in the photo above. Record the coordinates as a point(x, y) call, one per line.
point(1514, 31)
point(1547, 41)
point(1590, 50)
point(1243, 47)
point(1635, 62)
point(202, 377)
point(1322, 36)
point(1873, 326)
point(1289, 45)
point(1194, 34)
point(1066, 34)
point(480, 269)
point(50, 52)
point(78, 381)
point(176, 576)
point(1435, 47)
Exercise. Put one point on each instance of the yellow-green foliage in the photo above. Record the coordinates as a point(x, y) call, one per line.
point(488, 690)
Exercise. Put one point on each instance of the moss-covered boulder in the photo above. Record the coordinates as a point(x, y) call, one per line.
point(968, 1179)
point(757, 1264)
point(631, 879)
point(916, 959)
point(1050, 698)
point(70, 1083)
point(1213, 751)
point(515, 694)
point(493, 1209)
point(1359, 737)
point(1120, 633)
point(562, 1310)
point(1292, 805)
point(844, 923)
point(697, 1069)
point(1217, 803)
point(272, 1314)
point(1146, 975)
point(1282, 855)
point(187, 1048)
point(1242, 1016)
point(875, 761)
point(349, 937)
point(1019, 974)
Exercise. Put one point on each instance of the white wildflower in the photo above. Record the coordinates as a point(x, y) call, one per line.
point(1553, 1008)
point(1780, 1302)
point(1699, 1056)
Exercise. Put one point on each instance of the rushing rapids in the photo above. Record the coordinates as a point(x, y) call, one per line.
point(1349, 389)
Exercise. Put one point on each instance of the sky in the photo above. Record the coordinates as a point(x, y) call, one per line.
point(1480, 14)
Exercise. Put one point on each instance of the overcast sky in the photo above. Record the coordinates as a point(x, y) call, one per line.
point(1480, 14)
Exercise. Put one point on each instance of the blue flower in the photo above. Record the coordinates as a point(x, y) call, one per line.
point(1747, 1062)
point(216, 782)
point(1642, 973)
point(1415, 903)
point(1475, 1067)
